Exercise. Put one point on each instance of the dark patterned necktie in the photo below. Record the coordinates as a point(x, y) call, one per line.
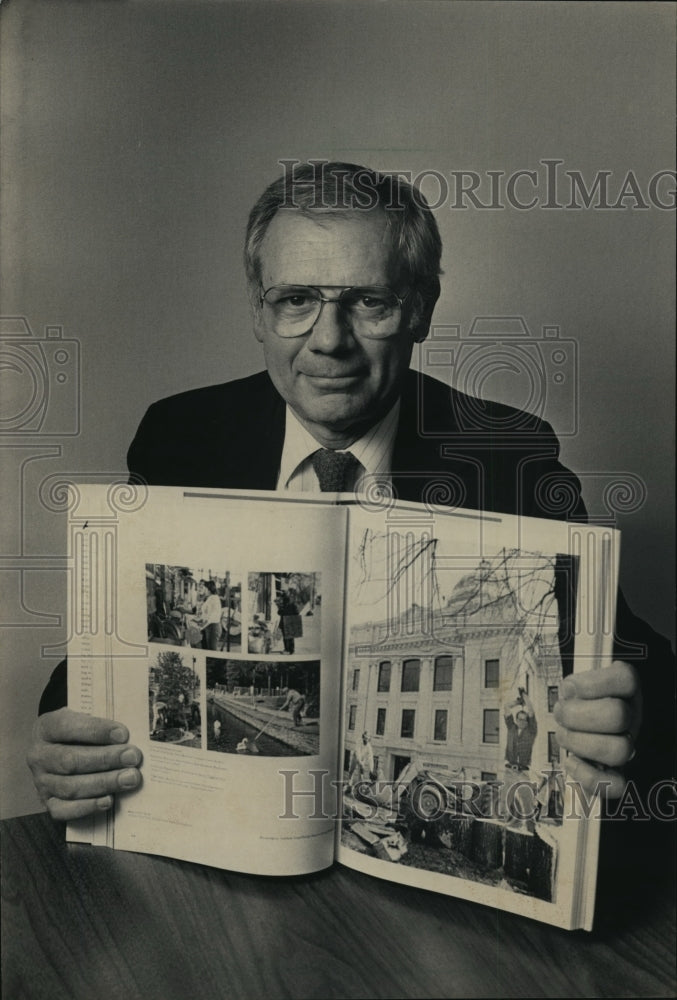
point(335, 470)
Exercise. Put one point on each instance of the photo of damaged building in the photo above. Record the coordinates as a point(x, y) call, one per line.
point(435, 685)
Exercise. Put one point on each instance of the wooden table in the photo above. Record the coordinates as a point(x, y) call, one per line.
point(82, 922)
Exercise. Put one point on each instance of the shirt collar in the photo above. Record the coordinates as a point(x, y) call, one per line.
point(374, 450)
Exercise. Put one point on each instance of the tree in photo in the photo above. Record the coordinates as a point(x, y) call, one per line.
point(175, 678)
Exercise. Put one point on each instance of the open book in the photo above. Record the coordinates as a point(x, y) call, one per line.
point(313, 680)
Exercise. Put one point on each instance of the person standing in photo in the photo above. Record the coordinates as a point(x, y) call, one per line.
point(210, 615)
point(291, 625)
point(518, 787)
point(295, 703)
point(362, 762)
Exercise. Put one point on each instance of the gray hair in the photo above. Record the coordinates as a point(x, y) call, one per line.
point(334, 187)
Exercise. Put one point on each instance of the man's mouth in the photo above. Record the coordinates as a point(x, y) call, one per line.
point(333, 376)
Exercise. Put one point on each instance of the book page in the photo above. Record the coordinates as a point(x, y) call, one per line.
point(460, 629)
point(210, 625)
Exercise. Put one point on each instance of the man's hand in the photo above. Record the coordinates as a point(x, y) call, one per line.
point(79, 761)
point(599, 715)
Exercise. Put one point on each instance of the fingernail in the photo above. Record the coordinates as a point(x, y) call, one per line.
point(130, 757)
point(567, 689)
point(104, 803)
point(118, 735)
point(128, 779)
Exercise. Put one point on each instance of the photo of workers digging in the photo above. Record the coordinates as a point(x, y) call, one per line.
point(268, 708)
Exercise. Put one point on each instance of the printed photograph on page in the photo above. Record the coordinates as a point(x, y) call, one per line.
point(450, 761)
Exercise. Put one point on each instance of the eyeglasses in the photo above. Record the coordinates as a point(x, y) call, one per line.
point(373, 310)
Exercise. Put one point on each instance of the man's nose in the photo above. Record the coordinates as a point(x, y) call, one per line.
point(331, 331)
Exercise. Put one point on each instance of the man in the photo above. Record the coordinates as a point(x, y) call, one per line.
point(517, 797)
point(343, 269)
point(294, 703)
point(522, 729)
point(362, 762)
point(209, 614)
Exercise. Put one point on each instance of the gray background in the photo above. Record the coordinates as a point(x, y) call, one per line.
point(137, 135)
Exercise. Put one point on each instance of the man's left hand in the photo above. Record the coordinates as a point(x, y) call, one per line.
point(599, 715)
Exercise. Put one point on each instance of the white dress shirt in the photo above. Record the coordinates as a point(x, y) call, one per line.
point(210, 612)
point(374, 452)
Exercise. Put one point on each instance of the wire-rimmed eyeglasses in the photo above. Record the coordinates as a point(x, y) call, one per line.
point(373, 310)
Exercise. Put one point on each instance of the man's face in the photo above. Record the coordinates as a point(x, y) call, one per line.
point(521, 720)
point(337, 383)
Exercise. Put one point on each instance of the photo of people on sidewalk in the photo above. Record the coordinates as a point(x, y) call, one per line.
point(188, 606)
point(284, 613)
point(270, 707)
point(174, 713)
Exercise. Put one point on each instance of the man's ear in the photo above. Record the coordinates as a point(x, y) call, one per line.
point(421, 314)
point(257, 312)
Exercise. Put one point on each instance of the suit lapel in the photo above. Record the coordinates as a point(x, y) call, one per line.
point(420, 472)
point(254, 449)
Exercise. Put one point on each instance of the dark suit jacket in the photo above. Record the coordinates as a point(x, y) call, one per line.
point(460, 451)
point(449, 448)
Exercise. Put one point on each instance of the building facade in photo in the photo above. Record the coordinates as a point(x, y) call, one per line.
point(432, 686)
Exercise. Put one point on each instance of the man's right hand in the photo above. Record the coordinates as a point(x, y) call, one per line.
point(79, 761)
